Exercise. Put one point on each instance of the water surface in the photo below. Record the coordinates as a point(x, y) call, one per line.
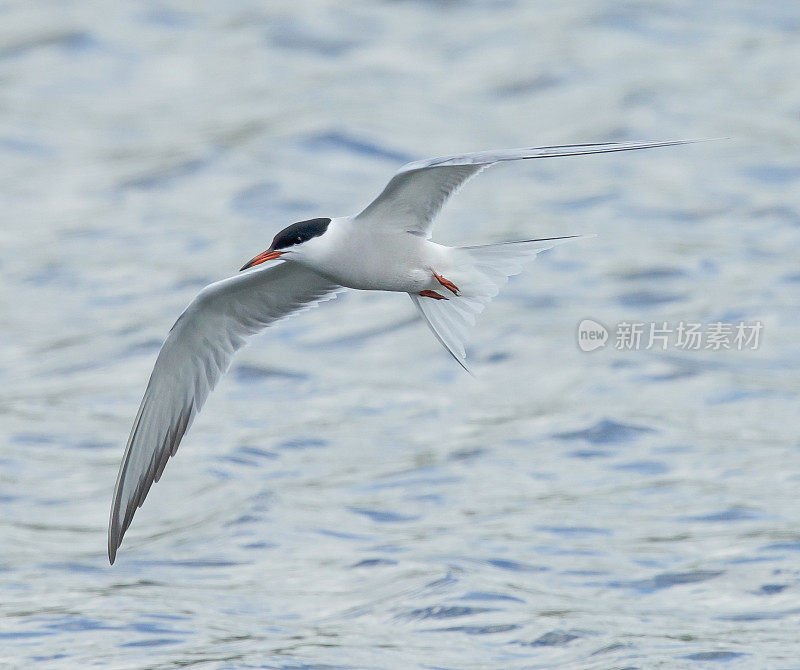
point(349, 498)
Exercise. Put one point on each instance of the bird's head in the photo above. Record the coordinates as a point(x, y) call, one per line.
point(291, 241)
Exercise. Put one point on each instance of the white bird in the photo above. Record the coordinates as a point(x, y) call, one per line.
point(386, 247)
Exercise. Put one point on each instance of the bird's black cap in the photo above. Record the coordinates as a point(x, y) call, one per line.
point(299, 232)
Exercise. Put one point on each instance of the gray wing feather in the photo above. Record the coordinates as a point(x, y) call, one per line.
point(195, 355)
point(413, 198)
point(418, 191)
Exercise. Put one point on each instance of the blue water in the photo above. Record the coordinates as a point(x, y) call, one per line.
point(349, 498)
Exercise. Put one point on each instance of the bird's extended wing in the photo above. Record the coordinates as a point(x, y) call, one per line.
point(418, 191)
point(196, 353)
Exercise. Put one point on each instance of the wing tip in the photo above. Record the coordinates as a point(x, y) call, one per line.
point(577, 150)
point(113, 545)
point(114, 531)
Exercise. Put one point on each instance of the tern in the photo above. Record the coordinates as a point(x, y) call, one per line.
point(386, 247)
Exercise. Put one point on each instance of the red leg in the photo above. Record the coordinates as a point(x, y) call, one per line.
point(450, 286)
point(432, 294)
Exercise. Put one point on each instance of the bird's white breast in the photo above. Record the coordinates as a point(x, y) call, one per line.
point(375, 259)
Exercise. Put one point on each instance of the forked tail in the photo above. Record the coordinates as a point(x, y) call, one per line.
point(488, 267)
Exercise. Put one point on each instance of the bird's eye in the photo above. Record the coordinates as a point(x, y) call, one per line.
point(299, 239)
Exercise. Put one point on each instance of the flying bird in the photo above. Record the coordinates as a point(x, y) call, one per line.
point(386, 247)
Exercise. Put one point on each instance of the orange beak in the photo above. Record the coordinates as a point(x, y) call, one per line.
point(261, 258)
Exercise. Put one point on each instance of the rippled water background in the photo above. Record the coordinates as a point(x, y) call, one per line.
point(349, 498)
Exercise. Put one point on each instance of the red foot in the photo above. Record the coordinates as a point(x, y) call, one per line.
point(432, 294)
point(450, 286)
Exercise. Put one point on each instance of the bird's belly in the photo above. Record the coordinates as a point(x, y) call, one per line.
point(402, 266)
